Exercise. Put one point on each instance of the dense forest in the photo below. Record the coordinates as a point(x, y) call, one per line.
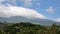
point(28, 28)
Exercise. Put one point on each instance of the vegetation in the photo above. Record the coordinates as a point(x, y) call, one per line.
point(28, 28)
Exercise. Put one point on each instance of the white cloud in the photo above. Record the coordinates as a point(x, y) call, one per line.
point(14, 2)
point(50, 9)
point(1, 0)
point(27, 2)
point(58, 20)
point(19, 11)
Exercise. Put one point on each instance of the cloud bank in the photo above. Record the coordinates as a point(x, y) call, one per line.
point(19, 11)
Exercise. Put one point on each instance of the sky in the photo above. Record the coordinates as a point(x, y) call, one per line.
point(46, 9)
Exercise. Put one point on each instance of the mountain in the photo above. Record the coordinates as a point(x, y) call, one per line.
point(16, 19)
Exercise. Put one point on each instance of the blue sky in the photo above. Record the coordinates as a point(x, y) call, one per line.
point(49, 8)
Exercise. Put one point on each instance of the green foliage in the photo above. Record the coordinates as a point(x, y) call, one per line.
point(28, 28)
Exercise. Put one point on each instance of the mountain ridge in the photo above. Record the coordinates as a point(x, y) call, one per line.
point(16, 19)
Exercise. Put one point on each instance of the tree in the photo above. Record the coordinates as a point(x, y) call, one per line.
point(53, 29)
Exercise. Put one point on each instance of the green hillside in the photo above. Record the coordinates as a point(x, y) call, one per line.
point(28, 28)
